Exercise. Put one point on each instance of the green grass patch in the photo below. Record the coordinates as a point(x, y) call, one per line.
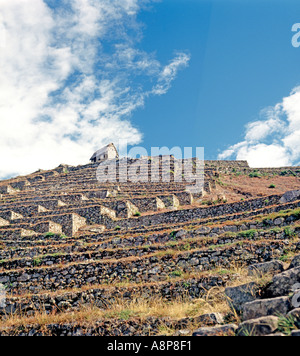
point(286, 325)
point(176, 273)
point(248, 234)
point(49, 234)
point(37, 262)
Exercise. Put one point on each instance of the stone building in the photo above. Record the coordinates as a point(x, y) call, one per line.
point(106, 153)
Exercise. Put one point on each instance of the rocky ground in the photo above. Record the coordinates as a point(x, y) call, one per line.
point(264, 310)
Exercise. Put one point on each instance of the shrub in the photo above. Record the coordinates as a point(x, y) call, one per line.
point(284, 258)
point(272, 186)
point(289, 232)
point(255, 175)
point(37, 262)
point(58, 254)
point(172, 234)
point(248, 233)
point(137, 214)
point(206, 202)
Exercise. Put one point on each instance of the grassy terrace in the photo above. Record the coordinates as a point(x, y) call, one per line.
point(142, 308)
point(96, 252)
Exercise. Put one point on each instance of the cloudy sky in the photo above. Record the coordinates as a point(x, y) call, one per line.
point(77, 74)
point(71, 74)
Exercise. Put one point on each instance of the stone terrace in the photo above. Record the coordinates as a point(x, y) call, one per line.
point(67, 241)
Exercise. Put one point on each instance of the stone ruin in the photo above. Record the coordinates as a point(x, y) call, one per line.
point(67, 240)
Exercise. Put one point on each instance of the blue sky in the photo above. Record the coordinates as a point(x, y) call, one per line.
point(77, 74)
point(242, 61)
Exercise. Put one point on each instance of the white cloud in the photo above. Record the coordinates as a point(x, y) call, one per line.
point(69, 80)
point(169, 73)
point(273, 141)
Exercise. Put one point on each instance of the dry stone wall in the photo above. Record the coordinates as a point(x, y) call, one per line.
point(199, 213)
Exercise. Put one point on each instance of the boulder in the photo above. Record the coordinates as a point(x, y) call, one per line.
point(258, 327)
point(278, 221)
point(4, 279)
point(266, 307)
point(261, 269)
point(225, 330)
point(295, 262)
point(240, 295)
point(185, 332)
point(290, 196)
point(230, 228)
point(23, 278)
point(210, 319)
point(283, 284)
point(203, 230)
point(181, 234)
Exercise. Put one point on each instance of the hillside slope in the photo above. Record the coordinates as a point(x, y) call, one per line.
point(79, 257)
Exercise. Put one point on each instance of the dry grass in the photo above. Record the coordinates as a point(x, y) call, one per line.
point(236, 187)
point(123, 310)
point(142, 307)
